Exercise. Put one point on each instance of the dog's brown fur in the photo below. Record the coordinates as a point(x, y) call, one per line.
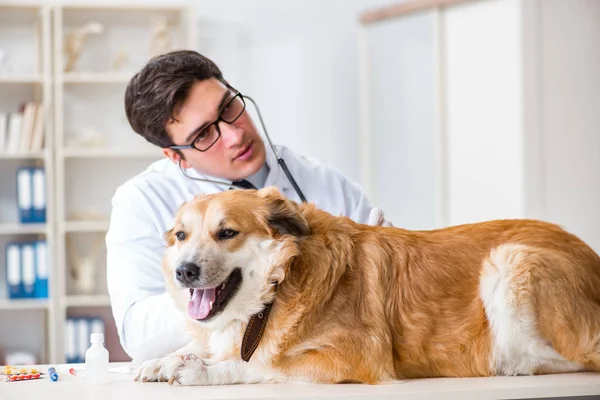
point(371, 304)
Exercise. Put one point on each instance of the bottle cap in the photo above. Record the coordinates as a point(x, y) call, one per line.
point(97, 338)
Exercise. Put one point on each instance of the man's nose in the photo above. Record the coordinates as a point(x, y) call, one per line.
point(187, 273)
point(231, 134)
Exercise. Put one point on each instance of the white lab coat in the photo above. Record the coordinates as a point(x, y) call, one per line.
point(143, 209)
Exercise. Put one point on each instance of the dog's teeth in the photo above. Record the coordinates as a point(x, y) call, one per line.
point(210, 304)
point(223, 286)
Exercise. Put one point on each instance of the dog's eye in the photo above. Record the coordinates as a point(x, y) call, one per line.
point(227, 234)
point(180, 235)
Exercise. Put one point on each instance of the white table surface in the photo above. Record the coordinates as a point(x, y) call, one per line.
point(122, 386)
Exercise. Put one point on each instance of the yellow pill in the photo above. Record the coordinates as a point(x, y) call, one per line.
point(23, 371)
point(33, 371)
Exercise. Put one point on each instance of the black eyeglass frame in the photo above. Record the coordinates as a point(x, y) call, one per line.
point(215, 123)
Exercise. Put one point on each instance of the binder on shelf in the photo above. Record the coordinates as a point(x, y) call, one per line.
point(25, 195)
point(13, 270)
point(28, 270)
point(71, 341)
point(41, 269)
point(39, 195)
point(83, 338)
point(31, 195)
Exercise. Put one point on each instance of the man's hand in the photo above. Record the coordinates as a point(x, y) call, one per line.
point(376, 218)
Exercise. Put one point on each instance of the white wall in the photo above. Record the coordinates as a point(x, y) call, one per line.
point(300, 63)
point(484, 111)
point(298, 59)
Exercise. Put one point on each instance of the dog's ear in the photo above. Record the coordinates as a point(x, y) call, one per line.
point(283, 214)
point(169, 238)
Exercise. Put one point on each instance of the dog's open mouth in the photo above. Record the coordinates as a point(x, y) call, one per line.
point(206, 303)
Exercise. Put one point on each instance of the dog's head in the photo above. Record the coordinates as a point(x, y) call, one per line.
point(226, 252)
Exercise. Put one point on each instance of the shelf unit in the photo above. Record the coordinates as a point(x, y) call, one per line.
point(26, 76)
point(89, 98)
point(81, 179)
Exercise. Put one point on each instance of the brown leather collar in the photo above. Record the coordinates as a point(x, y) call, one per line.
point(254, 332)
point(255, 329)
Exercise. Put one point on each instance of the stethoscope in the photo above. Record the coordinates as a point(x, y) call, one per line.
point(280, 160)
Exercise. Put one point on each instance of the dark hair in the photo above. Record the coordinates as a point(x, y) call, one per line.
point(154, 93)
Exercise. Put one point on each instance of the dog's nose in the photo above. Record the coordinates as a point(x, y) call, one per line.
point(187, 273)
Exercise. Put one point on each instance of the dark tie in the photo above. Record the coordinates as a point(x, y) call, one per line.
point(244, 183)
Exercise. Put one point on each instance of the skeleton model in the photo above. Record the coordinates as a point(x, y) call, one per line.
point(161, 41)
point(83, 268)
point(75, 40)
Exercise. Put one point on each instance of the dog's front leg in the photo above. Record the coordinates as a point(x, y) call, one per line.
point(196, 371)
point(162, 369)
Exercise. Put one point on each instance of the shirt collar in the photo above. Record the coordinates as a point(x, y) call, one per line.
point(260, 178)
point(270, 174)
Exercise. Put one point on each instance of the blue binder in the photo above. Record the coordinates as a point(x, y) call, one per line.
point(25, 195)
point(38, 190)
point(28, 270)
point(31, 195)
point(41, 269)
point(13, 270)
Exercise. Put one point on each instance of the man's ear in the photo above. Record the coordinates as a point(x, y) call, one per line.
point(284, 215)
point(176, 157)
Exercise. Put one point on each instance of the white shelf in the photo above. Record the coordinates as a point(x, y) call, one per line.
point(21, 79)
point(109, 153)
point(22, 229)
point(91, 77)
point(95, 300)
point(16, 156)
point(75, 102)
point(85, 226)
point(24, 304)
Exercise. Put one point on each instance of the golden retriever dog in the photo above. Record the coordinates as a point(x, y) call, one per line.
point(281, 292)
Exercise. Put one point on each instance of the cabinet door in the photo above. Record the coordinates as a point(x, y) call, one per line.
point(570, 115)
point(400, 146)
point(483, 101)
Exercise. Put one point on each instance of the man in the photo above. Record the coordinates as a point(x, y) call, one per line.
point(181, 102)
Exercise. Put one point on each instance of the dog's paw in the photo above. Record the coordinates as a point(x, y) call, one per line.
point(161, 369)
point(148, 371)
point(192, 372)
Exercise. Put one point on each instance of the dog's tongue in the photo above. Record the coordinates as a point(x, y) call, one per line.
point(199, 305)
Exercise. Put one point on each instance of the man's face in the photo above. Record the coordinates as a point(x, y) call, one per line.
point(239, 151)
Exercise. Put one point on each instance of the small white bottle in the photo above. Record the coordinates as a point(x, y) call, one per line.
point(96, 360)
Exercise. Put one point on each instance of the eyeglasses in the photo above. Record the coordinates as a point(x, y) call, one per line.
point(208, 136)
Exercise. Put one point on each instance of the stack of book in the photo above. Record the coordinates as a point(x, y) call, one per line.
point(22, 131)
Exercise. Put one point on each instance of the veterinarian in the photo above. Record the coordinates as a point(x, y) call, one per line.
point(181, 102)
